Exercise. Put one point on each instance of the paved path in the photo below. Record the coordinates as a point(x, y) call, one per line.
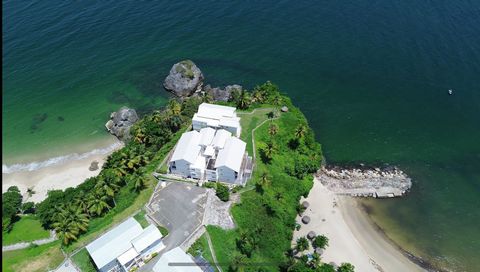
point(27, 244)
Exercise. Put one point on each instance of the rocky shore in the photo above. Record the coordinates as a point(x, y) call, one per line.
point(365, 182)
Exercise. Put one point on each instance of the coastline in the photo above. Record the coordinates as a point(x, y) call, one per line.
point(352, 236)
point(56, 173)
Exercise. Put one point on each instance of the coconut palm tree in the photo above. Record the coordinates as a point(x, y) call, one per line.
point(138, 182)
point(243, 100)
point(174, 108)
point(238, 263)
point(302, 244)
point(262, 183)
point(269, 150)
point(106, 186)
point(97, 203)
point(69, 222)
point(258, 96)
point(81, 202)
point(300, 131)
point(272, 129)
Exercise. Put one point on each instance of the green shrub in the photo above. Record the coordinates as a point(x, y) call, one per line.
point(222, 192)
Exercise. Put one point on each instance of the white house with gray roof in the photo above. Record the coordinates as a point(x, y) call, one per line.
point(211, 152)
point(125, 246)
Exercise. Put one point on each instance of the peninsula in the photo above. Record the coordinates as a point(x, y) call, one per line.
point(215, 178)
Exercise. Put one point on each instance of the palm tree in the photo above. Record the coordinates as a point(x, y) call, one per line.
point(207, 97)
point(300, 131)
point(243, 100)
point(273, 129)
point(277, 100)
point(139, 182)
point(315, 261)
point(81, 202)
point(258, 96)
point(174, 108)
point(302, 244)
point(269, 150)
point(262, 183)
point(97, 203)
point(106, 186)
point(238, 263)
point(69, 222)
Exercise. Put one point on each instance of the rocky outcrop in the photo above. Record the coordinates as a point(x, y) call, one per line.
point(184, 79)
point(374, 182)
point(121, 121)
point(219, 94)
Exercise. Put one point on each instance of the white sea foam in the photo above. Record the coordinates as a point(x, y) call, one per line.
point(32, 166)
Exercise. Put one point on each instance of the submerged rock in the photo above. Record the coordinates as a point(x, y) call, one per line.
point(184, 79)
point(121, 121)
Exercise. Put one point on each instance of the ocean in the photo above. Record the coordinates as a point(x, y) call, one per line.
point(371, 77)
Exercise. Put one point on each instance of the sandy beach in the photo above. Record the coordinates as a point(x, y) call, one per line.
point(58, 176)
point(352, 237)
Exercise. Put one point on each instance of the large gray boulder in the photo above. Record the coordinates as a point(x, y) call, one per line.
point(221, 94)
point(184, 79)
point(121, 121)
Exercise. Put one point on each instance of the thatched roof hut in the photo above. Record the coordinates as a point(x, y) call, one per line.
point(306, 219)
point(319, 251)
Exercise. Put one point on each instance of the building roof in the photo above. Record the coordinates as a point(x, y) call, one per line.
point(215, 111)
point(220, 138)
point(187, 147)
point(150, 235)
point(206, 136)
point(209, 151)
point(127, 256)
point(114, 243)
point(230, 122)
point(176, 255)
point(231, 155)
point(200, 163)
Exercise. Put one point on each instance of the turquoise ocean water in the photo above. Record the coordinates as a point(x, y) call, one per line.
point(371, 77)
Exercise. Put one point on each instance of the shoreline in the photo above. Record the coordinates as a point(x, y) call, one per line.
point(58, 175)
point(352, 236)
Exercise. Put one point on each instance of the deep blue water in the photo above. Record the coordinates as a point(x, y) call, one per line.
point(371, 77)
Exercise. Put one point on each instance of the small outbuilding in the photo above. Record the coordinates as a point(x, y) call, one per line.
point(311, 235)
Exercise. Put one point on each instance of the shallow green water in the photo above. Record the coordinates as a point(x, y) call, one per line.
point(371, 77)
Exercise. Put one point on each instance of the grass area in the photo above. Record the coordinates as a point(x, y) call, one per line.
point(140, 217)
point(249, 121)
point(200, 247)
point(27, 229)
point(223, 243)
point(83, 261)
point(35, 258)
point(125, 207)
point(266, 217)
point(163, 230)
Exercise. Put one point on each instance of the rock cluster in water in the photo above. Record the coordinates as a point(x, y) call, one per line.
point(121, 121)
point(376, 182)
point(186, 79)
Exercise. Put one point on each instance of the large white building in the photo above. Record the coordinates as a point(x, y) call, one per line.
point(176, 260)
point(217, 117)
point(212, 150)
point(125, 246)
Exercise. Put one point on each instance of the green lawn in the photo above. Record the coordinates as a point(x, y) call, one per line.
point(223, 243)
point(83, 261)
point(140, 217)
point(32, 259)
point(249, 121)
point(27, 229)
point(201, 247)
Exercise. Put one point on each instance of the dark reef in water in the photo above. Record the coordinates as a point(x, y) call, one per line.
point(37, 120)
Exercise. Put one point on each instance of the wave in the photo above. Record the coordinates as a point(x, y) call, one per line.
point(32, 166)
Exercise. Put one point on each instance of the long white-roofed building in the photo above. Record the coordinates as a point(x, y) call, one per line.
point(217, 117)
point(125, 246)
